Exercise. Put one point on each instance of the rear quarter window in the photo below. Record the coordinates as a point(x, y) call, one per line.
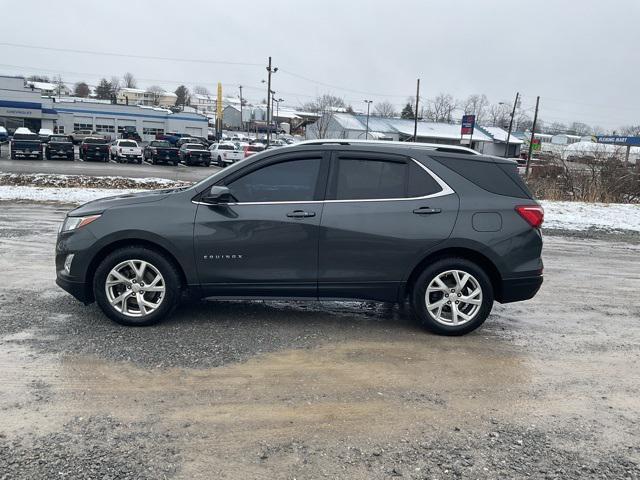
point(501, 179)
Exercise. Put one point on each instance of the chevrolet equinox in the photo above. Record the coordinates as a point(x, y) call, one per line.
point(448, 229)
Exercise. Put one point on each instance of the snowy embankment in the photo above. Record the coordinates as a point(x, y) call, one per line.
point(74, 189)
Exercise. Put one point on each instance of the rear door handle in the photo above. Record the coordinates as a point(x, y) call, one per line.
point(427, 211)
point(300, 214)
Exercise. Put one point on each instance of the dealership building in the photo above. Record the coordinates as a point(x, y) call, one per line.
point(22, 105)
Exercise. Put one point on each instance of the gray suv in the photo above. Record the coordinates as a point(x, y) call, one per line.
point(441, 226)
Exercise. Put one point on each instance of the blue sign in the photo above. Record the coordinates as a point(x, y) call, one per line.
point(618, 140)
point(468, 122)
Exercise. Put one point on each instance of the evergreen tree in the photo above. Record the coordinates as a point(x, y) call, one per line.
point(182, 93)
point(104, 90)
point(407, 111)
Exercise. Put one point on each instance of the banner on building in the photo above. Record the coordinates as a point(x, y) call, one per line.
point(468, 124)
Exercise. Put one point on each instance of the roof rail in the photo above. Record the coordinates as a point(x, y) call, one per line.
point(426, 146)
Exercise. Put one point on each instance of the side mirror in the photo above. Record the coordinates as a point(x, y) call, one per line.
point(217, 195)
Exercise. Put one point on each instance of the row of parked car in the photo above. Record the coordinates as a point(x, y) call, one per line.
point(170, 148)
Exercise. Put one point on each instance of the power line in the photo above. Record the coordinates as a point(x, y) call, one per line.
point(129, 55)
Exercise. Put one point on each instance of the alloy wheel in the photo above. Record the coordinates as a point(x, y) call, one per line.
point(135, 288)
point(453, 298)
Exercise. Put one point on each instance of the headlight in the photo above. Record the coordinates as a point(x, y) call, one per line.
point(72, 223)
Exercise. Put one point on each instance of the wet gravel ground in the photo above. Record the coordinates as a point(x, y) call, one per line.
point(546, 389)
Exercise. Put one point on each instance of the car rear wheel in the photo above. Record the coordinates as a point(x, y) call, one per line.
point(136, 286)
point(452, 296)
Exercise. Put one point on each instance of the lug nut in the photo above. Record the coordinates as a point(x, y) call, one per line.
point(457, 301)
point(453, 290)
point(459, 294)
point(449, 302)
point(446, 295)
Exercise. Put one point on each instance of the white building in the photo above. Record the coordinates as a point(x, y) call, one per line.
point(23, 106)
point(50, 89)
point(139, 96)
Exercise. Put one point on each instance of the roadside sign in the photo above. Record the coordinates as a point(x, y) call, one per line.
point(618, 140)
point(536, 144)
point(468, 124)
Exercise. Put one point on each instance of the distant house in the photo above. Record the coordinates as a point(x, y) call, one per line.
point(50, 89)
point(488, 140)
point(139, 96)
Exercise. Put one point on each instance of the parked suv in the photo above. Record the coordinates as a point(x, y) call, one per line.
point(441, 226)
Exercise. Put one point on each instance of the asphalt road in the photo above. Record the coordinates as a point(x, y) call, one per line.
point(548, 388)
point(79, 167)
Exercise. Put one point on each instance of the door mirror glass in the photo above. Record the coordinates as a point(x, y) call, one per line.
point(216, 195)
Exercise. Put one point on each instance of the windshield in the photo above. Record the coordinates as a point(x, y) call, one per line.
point(194, 146)
point(97, 141)
point(60, 139)
point(226, 147)
point(26, 136)
point(128, 144)
point(161, 144)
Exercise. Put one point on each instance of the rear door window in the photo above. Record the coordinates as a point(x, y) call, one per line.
point(362, 179)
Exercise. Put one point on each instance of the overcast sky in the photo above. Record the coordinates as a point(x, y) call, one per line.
point(581, 57)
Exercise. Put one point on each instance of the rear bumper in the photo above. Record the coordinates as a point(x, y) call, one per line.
point(518, 289)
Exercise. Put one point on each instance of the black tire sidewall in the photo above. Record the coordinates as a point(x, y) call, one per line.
point(166, 268)
point(417, 296)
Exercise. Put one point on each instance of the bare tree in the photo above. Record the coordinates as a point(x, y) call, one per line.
point(115, 86)
point(498, 115)
point(200, 90)
point(580, 128)
point(476, 105)
point(630, 130)
point(385, 109)
point(325, 102)
point(129, 81)
point(441, 108)
point(156, 92)
point(60, 86)
point(81, 89)
point(325, 106)
point(556, 128)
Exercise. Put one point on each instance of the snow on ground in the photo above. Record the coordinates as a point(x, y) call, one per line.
point(583, 216)
point(558, 215)
point(63, 195)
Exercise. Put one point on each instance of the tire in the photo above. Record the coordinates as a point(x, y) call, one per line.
point(156, 263)
point(47, 155)
point(207, 164)
point(12, 156)
point(220, 161)
point(445, 323)
point(70, 157)
point(175, 164)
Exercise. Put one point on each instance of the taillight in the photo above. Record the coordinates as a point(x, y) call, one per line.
point(533, 214)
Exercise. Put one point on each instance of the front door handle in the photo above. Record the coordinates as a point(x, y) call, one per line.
point(300, 214)
point(427, 211)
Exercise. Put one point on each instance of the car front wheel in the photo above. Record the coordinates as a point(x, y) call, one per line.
point(136, 286)
point(452, 296)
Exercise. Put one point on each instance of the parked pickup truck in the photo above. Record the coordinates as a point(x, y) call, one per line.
point(225, 153)
point(25, 144)
point(94, 148)
point(161, 151)
point(126, 151)
point(78, 136)
point(59, 146)
point(193, 153)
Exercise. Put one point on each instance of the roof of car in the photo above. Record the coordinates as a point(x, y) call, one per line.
point(426, 146)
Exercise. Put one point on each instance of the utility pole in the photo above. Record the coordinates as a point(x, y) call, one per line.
point(366, 132)
point(270, 70)
point(513, 114)
point(415, 122)
point(533, 134)
point(241, 118)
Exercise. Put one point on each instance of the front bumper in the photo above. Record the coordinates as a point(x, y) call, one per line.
point(519, 289)
point(78, 289)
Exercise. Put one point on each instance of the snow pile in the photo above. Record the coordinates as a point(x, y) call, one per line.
point(584, 216)
point(86, 181)
point(63, 195)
